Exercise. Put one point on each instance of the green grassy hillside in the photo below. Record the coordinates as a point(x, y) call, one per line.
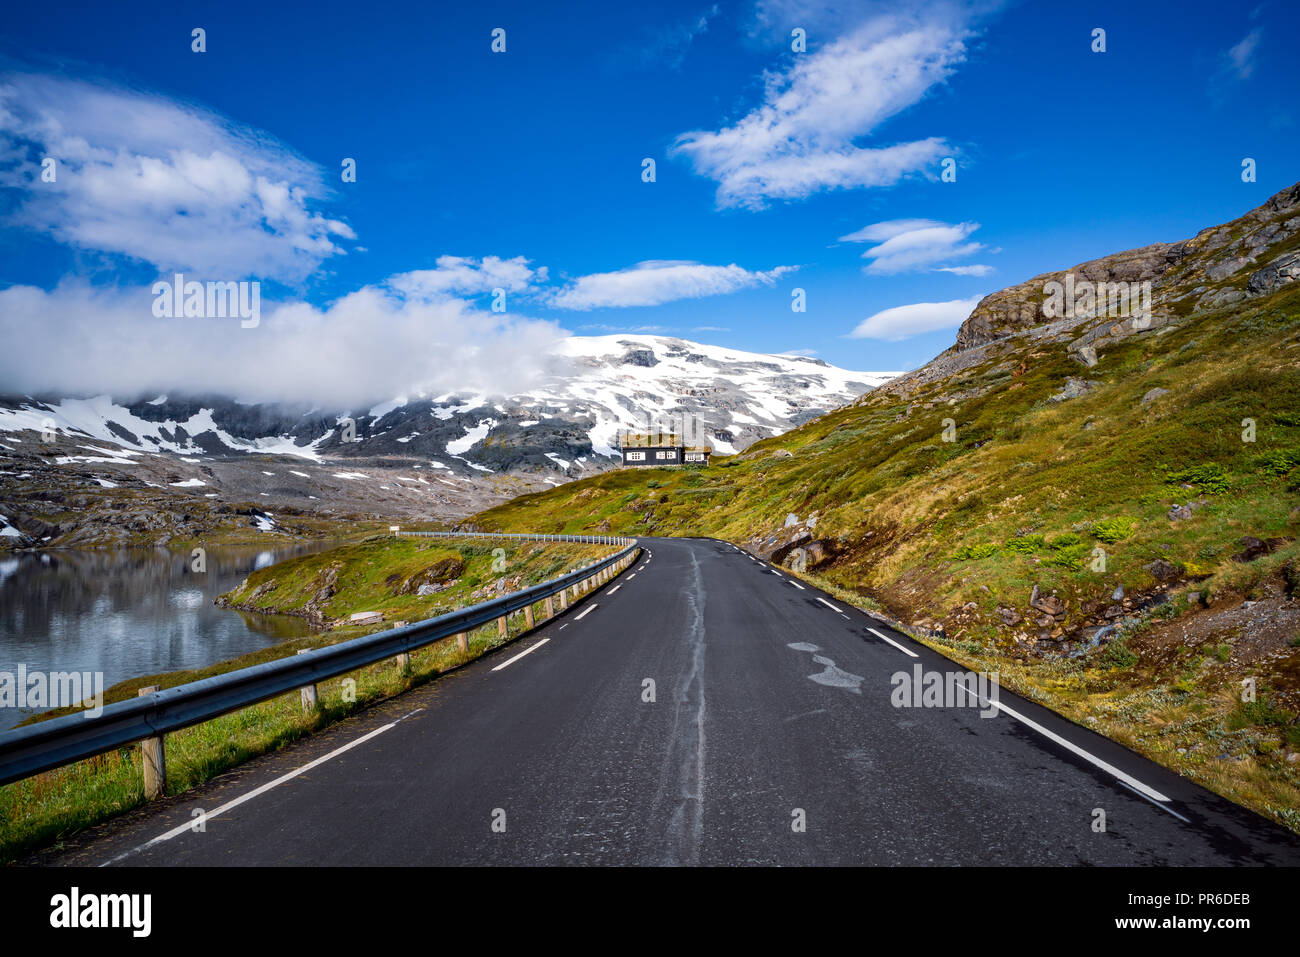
point(384, 573)
point(1029, 487)
point(944, 500)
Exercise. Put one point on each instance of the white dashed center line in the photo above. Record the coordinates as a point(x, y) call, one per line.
point(527, 651)
point(586, 611)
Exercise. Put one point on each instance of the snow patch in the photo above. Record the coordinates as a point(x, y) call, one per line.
point(471, 438)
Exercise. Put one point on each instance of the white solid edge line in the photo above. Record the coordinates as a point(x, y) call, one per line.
point(586, 611)
point(1122, 777)
point(256, 792)
point(906, 651)
point(829, 605)
point(1162, 807)
point(526, 651)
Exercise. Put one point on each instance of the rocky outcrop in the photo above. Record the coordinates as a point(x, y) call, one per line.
point(1020, 307)
point(1074, 388)
point(432, 579)
point(794, 545)
point(1253, 255)
point(1282, 270)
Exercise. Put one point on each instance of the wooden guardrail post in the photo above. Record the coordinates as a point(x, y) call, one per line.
point(528, 616)
point(310, 697)
point(550, 607)
point(502, 628)
point(462, 640)
point(153, 759)
point(564, 598)
point(404, 662)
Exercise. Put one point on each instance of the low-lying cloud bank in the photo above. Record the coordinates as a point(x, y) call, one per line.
point(370, 345)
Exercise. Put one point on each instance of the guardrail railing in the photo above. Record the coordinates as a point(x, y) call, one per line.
point(75, 737)
point(529, 537)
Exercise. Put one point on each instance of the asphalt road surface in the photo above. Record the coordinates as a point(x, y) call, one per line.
point(704, 708)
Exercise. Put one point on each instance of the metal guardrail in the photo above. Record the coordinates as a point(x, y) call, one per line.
point(530, 537)
point(74, 737)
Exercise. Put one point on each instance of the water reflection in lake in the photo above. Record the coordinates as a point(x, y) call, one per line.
point(129, 613)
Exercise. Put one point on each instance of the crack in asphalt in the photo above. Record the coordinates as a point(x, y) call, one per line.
point(686, 754)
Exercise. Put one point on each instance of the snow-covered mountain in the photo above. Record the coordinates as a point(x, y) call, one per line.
point(568, 423)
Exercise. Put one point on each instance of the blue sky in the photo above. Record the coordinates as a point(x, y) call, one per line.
point(523, 170)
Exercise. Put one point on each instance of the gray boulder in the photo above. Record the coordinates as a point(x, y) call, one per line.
point(1285, 269)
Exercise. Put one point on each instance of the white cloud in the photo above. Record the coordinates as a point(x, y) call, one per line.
point(1241, 56)
point(903, 322)
point(169, 183)
point(670, 45)
point(459, 275)
point(802, 139)
point(913, 245)
point(774, 19)
point(368, 345)
point(655, 282)
point(879, 232)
